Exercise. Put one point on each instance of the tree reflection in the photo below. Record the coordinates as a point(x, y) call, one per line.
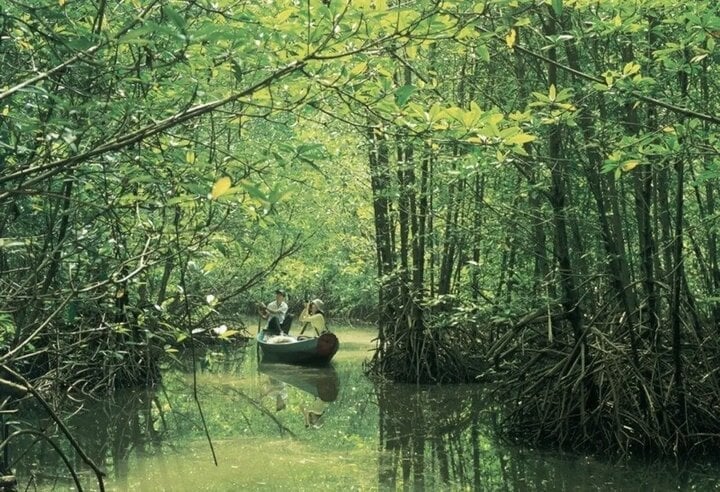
point(432, 438)
point(420, 438)
point(109, 430)
point(439, 438)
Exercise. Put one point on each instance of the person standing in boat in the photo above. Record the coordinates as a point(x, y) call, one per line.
point(313, 315)
point(274, 312)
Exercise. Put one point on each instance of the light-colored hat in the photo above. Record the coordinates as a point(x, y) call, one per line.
point(319, 305)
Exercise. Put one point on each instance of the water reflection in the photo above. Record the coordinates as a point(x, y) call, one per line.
point(109, 432)
point(320, 429)
point(430, 438)
point(442, 438)
point(321, 383)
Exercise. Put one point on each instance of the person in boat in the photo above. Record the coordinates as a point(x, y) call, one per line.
point(313, 315)
point(274, 312)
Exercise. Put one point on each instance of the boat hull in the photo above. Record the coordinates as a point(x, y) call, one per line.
point(316, 351)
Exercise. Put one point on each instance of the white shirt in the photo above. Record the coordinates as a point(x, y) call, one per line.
point(275, 311)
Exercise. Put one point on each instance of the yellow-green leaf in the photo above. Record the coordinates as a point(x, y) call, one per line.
point(495, 118)
point(220, 187)
point(478, 139)
point(519, 139)
point(552, 93)
point(630, 165)
point(283, 16)
point(631, 68)
point(511, 38)
point(358, 69)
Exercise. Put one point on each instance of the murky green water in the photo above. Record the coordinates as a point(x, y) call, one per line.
point(290, 428)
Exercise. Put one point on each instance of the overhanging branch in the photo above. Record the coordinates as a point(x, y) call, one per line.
point(633, 93)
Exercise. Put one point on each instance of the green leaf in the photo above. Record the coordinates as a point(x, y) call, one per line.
point(137, 36)
point(557, 6)
point(254, 191)
point(483, 53)
point(174, 17)
point(178, 199)
point(403, 94)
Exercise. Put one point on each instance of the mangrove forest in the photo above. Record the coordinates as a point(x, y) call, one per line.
point(519, 195)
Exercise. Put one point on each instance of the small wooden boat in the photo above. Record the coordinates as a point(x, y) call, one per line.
point(298, 350)
point(320, 382)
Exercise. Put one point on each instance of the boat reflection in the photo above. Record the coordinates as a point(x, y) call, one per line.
point(320, 382)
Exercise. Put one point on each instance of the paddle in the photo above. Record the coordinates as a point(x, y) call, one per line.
point(257, 344)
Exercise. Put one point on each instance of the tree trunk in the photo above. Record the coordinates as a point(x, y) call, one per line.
point(570, 298)
point(380, 184)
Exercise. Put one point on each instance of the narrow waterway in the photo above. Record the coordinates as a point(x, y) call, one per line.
point(275, 427)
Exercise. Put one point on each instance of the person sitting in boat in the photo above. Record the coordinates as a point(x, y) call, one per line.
point(313, 315)
point(274, 312)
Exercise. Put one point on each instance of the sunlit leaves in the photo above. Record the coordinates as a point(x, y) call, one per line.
point(630, 165)
point(555, 106)
point(630, 68)
point(221, 187)
point(519, 139)
point(634, 151)
point(510, 38)
point(552, 93)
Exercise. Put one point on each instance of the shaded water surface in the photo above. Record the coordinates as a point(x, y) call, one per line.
point(275, 427)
